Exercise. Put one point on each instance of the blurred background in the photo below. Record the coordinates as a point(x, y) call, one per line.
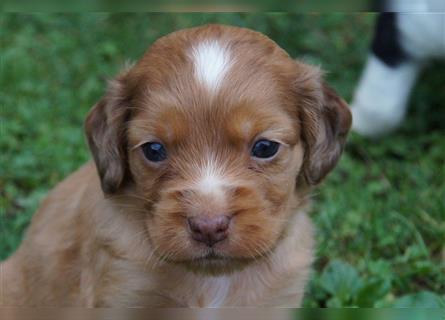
point(380, 215)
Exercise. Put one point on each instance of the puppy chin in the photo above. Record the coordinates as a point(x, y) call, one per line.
point(217, 260)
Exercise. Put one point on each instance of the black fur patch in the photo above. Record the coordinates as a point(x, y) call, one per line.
point(385, 44)
point(378, 6)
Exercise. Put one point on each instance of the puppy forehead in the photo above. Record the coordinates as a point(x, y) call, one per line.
point(211, 60)
point(252, 119)
point(210, 57)
point(203, 75)
point(236, 124)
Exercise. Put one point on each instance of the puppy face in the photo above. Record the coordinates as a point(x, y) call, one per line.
point(220, 133)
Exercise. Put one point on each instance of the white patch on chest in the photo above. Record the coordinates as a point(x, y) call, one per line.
point(211, 62)
point(218, 292)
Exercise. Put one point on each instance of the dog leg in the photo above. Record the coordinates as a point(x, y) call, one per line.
point(380, 100)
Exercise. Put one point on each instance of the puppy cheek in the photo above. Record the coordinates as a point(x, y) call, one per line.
point(282, 182)
point(281, 173)
point(167, 229)
point(145, 177)
point(253, 234)
point(169, 236)
point(258, 229)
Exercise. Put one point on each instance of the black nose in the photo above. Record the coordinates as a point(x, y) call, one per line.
point(209, 230)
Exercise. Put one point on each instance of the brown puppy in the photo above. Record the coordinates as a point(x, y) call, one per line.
point(205, 152)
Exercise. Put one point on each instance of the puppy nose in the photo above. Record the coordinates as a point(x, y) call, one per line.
point(209, 230)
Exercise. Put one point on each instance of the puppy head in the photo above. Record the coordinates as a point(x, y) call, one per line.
point(220, 133)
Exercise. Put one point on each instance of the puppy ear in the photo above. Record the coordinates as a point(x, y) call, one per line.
point(325, 122)
point(105, 128)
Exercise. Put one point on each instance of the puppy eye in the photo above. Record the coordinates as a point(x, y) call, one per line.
point(154, 151)
point(265, 149)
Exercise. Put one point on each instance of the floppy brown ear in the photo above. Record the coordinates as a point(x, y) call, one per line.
point(105, 128)
point(325, 122)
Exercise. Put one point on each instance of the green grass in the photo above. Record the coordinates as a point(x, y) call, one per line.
point(380, 215)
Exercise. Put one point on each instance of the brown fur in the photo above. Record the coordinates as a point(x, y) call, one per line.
point(114, 233)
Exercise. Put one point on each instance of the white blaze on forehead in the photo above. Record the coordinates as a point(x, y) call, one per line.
point(211, 63)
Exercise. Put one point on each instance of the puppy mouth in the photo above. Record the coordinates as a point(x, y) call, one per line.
point(211, 255)
point(214, 263)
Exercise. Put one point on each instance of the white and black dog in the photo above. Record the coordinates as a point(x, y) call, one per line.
point(406, 36)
